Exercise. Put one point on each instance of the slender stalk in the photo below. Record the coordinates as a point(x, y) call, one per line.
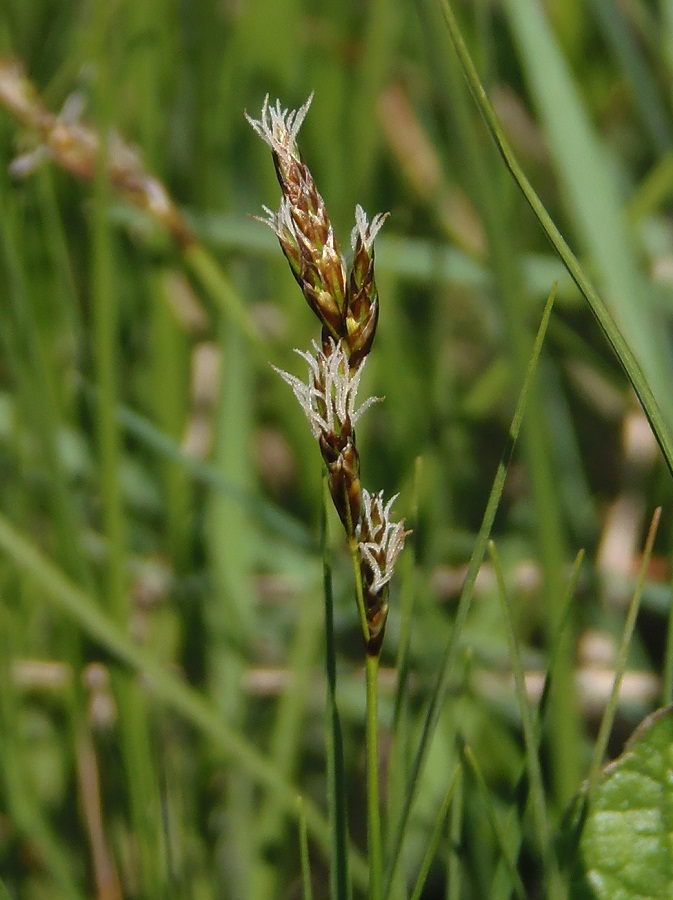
point(607, 720)
point(373, 809)
point(359, 589)
point(535, 778)
point(374, 843)
point(307, 892)
point(336, 799)
point(501, 836)
point(441, 687)
point(436, 836)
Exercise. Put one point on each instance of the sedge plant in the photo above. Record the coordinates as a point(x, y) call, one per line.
point(345, 301)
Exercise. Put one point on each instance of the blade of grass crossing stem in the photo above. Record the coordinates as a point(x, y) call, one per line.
point(614, 336)
point(166, 687)
point(496, 206)
point(620, 662)
point(306, 889)
point(437, 698)
point(340, 887)
point(535, 779)
point(220, 290)
point(500, 837)
point(435, 838)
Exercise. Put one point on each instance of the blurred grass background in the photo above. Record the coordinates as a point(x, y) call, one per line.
point(150, 453)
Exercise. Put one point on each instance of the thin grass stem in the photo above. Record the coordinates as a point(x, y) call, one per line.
point(535, 778)
point(434, 709)
point(608, 717)
point(435, 838)
point(336, 780)
point(374, 846)
point(500, 837)
point(307, 889)
point(454, 872)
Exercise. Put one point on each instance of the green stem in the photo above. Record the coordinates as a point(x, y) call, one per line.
point(336, 780)
point(608, 718)
point(373, 813)
point(359, 589)
point(373, 808)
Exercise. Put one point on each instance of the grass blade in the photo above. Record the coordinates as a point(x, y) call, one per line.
point(500, 837)
point(178, 696)
point(606, 321)
point(608, 717)
point(307, 890)
point(535, 779)
point(435, 837)
point(435, 706)
point(591, 189)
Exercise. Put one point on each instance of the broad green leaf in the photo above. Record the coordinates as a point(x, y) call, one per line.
point(626, 845)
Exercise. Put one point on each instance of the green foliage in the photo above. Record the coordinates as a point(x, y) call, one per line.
point(624, 849)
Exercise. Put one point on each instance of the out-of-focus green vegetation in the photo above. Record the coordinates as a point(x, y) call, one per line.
point(162, 687)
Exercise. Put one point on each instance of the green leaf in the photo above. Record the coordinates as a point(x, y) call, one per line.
point(658, 421)
point(626, 845)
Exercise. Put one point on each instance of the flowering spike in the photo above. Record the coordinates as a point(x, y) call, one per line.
point(346, 303)
point(380, 542)
point(302, 224)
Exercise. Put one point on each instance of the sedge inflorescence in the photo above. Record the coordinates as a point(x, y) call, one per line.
point(345, 300)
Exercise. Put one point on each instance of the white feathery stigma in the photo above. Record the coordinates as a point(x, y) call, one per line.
point(366, 230)
point(328, 399)
point(384, 539)
point(279, 127)
point(280, 222)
